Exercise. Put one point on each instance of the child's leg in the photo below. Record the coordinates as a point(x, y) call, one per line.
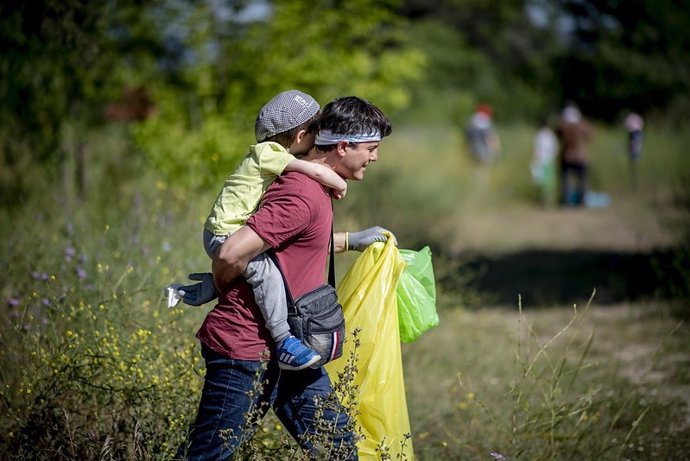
point(269, 293)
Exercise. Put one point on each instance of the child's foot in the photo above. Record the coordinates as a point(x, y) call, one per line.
point(293, 355)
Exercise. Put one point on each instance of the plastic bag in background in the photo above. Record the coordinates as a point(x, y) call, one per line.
point(416, 295)
point(367, 293)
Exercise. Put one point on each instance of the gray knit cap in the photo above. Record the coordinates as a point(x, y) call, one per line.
point(284, 112)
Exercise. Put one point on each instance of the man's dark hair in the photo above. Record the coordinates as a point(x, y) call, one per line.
point(349, 116)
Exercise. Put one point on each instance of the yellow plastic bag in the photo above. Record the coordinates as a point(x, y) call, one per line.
point(368, 295)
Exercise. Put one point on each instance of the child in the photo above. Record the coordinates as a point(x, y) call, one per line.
point(282, 131)
point(545, 145)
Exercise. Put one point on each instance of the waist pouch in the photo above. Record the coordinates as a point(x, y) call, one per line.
point(317, 319)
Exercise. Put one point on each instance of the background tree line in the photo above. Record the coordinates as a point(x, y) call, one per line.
point(204, 68)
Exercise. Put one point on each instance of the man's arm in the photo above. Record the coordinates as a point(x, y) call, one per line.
point(339, 242)
point(233, 257)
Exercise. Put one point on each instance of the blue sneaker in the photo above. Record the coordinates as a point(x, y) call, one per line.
point(293, 355)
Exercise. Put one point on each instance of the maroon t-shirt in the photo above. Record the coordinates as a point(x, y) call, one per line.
point(295, 219)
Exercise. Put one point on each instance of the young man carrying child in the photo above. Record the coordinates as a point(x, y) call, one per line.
point(281, 133)
point(295, 219)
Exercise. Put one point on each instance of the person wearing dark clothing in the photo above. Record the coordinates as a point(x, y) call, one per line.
point(573, 133)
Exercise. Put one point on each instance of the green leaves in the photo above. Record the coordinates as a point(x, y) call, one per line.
point(328, 49)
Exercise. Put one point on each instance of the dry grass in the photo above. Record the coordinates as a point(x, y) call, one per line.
point(459, 378)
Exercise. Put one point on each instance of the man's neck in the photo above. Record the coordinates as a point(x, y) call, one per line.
point(317, 156)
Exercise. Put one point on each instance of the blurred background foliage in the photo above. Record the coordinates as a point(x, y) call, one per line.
point(184, 79)
point(120, 119)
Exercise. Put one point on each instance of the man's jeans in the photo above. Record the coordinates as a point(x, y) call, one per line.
point(225, 401)
point(573, 195)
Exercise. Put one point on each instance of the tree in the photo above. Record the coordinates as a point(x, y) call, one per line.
point(481, 50)
point(327, 48)
point(632, 54)
point(61, 62)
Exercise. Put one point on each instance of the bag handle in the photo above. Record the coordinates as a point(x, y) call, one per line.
point(331, 269)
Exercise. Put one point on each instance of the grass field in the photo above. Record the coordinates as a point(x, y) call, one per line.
point(95, 367)
point(612, 385)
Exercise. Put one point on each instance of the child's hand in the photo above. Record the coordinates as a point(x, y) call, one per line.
point(339, 193)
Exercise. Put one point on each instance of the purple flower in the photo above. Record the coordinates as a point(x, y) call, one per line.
point(69, 253)
point(496, 455)
point(81, 273)
point(13, 302)
point(45, 302)
point(39, 275)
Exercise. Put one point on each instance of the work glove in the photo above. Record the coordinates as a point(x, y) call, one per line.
point(359, 241)
point(199, 293)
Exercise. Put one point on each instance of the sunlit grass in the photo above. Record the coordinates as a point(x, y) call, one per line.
point(555, 384)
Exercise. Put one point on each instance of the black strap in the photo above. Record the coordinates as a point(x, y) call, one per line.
point(331, 269)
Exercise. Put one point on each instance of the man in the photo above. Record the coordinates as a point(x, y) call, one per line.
point(481, 135)
point(573, 133)
point(295, 220)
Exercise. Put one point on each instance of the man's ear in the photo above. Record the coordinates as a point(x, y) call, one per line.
point(341, 146)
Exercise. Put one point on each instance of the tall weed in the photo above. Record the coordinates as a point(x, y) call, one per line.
point(539, 392)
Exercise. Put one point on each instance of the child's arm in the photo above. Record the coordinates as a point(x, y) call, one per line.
point(322, 174)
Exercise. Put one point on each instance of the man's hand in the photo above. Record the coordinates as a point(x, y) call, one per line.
point(199, 293)
point(359, 241)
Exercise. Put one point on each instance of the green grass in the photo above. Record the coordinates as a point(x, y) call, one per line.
point(94, 366)
point(554, 384)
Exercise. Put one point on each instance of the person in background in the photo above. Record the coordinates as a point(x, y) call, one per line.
point(543, 163)
point(634, 125)
point(481, 135)
point(573, 134)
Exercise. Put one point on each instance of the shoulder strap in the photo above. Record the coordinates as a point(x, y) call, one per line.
point(331, 268)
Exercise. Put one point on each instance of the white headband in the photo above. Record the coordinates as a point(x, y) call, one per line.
point(326, 137)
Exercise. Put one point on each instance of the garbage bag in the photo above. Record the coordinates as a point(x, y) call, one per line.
point(416, 295)
point(367, 294)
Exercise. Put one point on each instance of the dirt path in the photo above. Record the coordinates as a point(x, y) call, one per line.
point(626, 226)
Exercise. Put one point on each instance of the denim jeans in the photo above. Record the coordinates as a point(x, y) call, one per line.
point(573, 195)
point(221, 426)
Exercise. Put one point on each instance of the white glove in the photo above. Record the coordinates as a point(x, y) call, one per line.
point(359, 241)
point(174, 294)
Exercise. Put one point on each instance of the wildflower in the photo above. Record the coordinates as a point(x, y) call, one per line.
point(39, 275)
point(81, 273)
point(45, 302)
point(70, 252)
point(13, 302)
point(496, 455)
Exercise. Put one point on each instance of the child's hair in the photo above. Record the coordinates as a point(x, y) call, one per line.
point(286, 138)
